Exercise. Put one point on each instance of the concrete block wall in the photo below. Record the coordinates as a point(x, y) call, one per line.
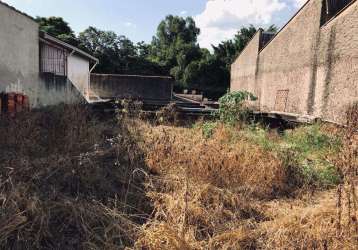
point(316, 66)
point(132, 86)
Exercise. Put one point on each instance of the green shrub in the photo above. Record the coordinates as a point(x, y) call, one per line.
point(259, 135)
point(310, 138)
point(308, 173)
point(303, 152)
point(232, 107)
point(320, 176)
point(208, 129)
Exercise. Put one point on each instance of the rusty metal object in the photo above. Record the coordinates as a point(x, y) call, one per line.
point(13, 103)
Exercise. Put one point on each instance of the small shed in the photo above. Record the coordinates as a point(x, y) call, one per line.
point(62, 62)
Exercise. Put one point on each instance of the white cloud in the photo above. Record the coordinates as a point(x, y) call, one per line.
point(221, 19)
point(183, 13)
point(130, 25)
point(300, 3)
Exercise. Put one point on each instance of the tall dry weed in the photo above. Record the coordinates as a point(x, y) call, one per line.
point(216, 161)
point(68, 181)
point(347, 194)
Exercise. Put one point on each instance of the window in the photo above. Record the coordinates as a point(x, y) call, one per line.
point(331, 8)
point(53, 60)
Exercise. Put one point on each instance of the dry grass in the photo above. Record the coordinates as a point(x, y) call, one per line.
point(226, 192)
point(347, 194)
point(215, 161)
point(68, 181)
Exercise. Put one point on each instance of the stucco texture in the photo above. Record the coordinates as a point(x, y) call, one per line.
point(19, 50)
point(315, 66)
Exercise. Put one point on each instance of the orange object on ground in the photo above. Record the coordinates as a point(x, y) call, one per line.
point(12, 103)
point(19, 103)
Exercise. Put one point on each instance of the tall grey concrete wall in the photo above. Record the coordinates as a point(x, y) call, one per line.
point(245, 78)
point(337, 65)
point(19, 51)
point(131, 86)
point(306, 69)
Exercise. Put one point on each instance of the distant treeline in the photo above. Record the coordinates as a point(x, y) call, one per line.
point(173, 51)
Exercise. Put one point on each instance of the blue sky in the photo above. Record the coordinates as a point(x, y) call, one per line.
point(138, 19)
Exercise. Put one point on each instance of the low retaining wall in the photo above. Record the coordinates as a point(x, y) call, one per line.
point(132, 86)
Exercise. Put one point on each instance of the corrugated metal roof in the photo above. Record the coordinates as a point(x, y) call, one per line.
point(58, 42)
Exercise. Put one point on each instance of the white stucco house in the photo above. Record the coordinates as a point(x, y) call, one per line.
point(45, 69)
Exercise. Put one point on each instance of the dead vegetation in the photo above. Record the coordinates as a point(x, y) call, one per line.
point(69, 181)
point(64, 184)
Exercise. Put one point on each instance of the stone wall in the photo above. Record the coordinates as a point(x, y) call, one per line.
point(131, 86)
point(306, 69)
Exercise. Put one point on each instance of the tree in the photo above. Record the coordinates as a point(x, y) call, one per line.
point(175, 47)
point(57, 27)
point(117, 54)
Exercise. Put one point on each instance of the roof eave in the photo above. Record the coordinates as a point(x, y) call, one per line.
point(57, 41)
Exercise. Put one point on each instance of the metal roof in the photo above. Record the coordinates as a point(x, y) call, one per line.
point(47, 37)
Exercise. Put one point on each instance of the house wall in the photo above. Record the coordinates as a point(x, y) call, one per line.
point(19, 52)
point(315, 66)
point(54, 90)
point(127, 86)
point(78, 72)
point(20, 63)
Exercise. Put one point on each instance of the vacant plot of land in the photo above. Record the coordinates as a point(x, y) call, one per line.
point(69, 180)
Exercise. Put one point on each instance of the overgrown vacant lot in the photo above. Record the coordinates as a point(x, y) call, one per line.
point(69, 180)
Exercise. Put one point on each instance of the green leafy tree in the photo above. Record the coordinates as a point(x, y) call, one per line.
point(117, 54)
point(175, 47)
point(58, 28)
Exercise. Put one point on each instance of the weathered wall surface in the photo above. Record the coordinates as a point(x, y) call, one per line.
point(337, 65)
point(54, 90)
point(306, 69)
point(244, 69)
point(20, 64)
point(78, 72)
point(127, 86)
point(286, 64)
point(19, 51)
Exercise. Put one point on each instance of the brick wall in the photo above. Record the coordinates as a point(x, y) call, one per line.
point(316, 67)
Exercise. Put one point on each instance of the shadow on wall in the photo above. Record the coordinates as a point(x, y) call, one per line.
point(44, 90)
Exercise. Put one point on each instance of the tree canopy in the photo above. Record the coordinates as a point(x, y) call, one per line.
point(58, 28)
point(174, 51)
